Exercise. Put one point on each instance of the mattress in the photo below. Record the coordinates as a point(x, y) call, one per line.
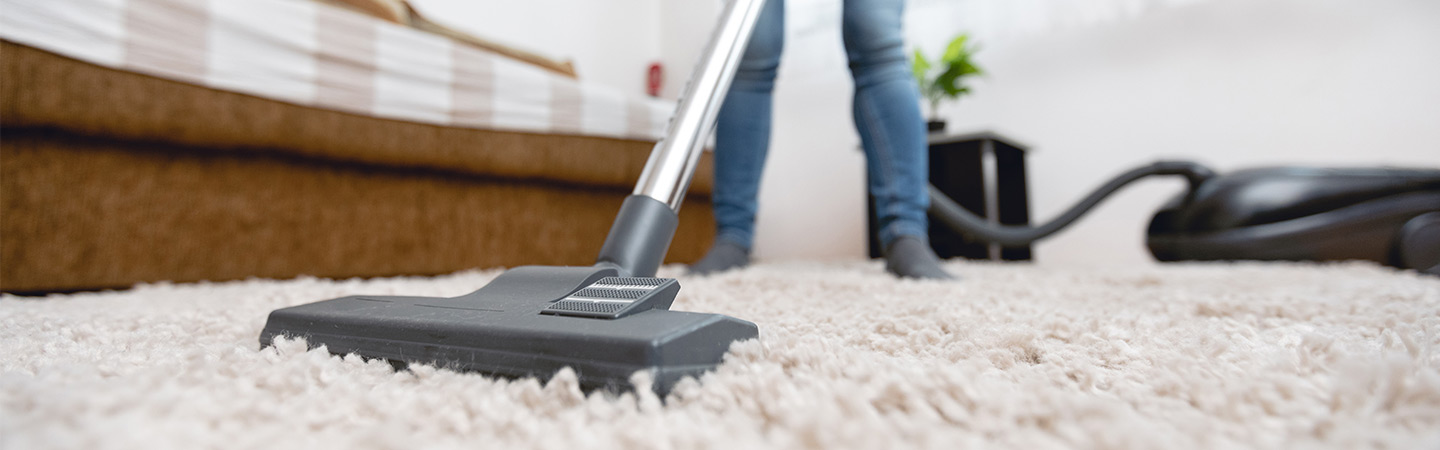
point(320, 56)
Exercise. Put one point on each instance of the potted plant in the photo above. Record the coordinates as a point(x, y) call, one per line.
point(946, 79)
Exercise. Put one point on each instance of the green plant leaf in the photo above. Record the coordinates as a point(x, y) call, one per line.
point(947, 83)
point(968, 68)
point(956, 50)
point(957, 65)
point(921, 68)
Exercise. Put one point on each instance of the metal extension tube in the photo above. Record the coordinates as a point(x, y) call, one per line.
point(667, 174)
point(646, 223)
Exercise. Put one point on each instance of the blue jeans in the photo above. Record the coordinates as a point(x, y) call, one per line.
point(886, 110)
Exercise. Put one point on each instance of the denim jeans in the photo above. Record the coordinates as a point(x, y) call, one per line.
point(886, 111)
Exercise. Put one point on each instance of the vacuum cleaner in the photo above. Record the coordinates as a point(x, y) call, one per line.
point(606, 321)
point(613, 319)
point(1386, 215)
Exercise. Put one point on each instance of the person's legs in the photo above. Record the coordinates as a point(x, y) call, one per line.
point(742, 138)
point(887, 115)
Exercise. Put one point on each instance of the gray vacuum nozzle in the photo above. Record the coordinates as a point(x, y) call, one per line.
point(639, 237)
point(616, 297)
point(521, 324)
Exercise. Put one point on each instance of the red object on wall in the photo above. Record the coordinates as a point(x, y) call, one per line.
point(654, 79)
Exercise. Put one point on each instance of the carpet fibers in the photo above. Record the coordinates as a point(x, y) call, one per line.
point(1015, 356)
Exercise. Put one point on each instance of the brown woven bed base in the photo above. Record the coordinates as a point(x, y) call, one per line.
point(82, 212)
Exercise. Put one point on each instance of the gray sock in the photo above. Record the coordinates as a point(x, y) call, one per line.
point(911, 257)
point(723, 255)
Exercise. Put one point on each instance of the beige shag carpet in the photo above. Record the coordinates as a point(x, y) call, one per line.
point(1015, 356)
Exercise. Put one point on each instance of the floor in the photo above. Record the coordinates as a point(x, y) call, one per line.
point(1244, 355)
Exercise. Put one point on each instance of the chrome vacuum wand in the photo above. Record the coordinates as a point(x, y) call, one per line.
point(647, 220)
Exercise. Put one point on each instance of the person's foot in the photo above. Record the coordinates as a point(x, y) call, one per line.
point(723, 255)
point(910, 257)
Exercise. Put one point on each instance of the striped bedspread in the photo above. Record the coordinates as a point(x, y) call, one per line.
point(321, 56)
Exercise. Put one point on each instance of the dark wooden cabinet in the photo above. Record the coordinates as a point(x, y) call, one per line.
point(983, 172)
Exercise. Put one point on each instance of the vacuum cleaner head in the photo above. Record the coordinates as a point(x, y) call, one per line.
point(529, 321)
point(1391, 216)
point(601, 321)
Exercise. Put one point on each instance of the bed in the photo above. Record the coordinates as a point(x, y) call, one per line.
point(186, 140)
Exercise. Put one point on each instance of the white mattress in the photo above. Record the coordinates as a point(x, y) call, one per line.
point(315, 55)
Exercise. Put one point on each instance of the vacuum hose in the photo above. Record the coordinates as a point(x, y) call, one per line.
point(976, 227)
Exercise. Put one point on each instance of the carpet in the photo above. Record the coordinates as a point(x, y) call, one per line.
point(1245, 355)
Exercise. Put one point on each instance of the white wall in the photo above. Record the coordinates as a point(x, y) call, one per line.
point(1102, 85)
point(1231, 83)
point(1094, 86)
point(812, 198)
point(683, 26)
point(812, 193)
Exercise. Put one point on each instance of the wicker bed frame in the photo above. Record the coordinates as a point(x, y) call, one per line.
point(109, 178)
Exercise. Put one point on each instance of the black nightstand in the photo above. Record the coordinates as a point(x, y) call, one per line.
point(983, 172)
